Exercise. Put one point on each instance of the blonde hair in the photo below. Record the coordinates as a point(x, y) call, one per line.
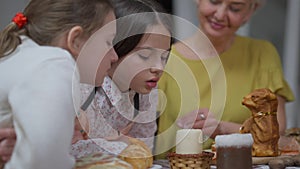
point(47, 19)
point(257, 3)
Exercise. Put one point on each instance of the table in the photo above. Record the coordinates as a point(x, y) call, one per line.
point(165, 165)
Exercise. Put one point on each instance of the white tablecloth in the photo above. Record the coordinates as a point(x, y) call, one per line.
point(263, 167)
point(165, 165)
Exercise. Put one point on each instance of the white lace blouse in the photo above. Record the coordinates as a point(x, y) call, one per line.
point(112, 111)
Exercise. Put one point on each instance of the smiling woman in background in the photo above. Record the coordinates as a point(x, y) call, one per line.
point(248, 64)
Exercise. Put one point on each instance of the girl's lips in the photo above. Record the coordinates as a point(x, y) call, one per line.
point(151, 84)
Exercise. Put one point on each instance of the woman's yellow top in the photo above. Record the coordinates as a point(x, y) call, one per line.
point(217, 83)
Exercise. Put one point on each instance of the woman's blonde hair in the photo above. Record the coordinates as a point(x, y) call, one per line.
point(47, 19)
point(256, 3)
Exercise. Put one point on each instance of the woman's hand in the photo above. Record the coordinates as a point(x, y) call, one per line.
point(210, 124)
point(7, 143)
point(201, 119)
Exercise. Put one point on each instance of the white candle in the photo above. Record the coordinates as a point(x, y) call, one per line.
point(189, 141)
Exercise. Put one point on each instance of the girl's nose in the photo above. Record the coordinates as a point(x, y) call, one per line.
point(158, 67)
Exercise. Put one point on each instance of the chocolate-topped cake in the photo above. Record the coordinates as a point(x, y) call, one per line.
point(234, 150)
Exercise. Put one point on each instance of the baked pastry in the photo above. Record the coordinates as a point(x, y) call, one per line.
point(137, 154)
point(293, 132)
point(100, 161)
point(263, 124)
point(288, 146)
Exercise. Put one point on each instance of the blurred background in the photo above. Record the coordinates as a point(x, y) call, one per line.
point(277, 21)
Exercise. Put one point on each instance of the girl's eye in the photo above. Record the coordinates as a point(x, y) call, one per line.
point(144, 53)
point(143, 57)
point(214, 1)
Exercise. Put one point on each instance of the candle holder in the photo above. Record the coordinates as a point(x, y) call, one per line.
point(192, 161)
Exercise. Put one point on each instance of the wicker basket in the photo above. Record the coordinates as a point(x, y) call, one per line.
point(190, 161)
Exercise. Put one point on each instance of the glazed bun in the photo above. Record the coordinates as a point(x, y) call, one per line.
point(100, 161)
point(137, 154)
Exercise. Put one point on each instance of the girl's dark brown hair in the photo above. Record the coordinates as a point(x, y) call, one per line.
point(48, 19)
point(134, 17)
